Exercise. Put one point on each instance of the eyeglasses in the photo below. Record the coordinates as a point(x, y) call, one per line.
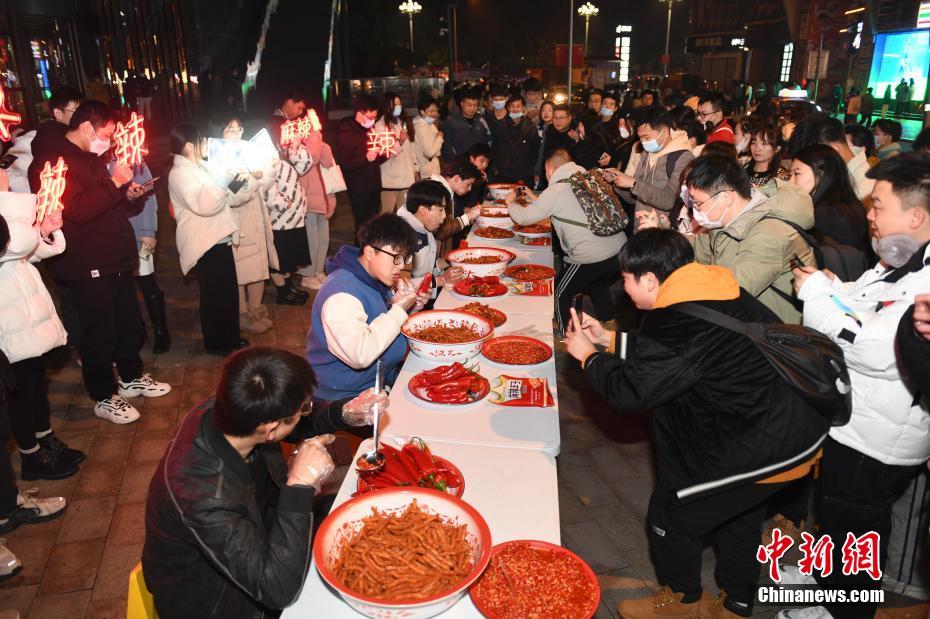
point(399, 259)
point(689, 201)
point(305, 409)
point(706, 114)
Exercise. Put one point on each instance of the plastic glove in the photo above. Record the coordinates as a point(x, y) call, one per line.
point(360, 410)
point(311, 463)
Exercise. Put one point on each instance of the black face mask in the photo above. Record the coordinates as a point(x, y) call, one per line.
point(709, 126)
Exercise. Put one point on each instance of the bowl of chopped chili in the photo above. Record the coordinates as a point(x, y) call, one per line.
point(496, 216)
point(516, 350)
point(554, 582)
point(499, 191)
point(480, 261)
point(446, 335)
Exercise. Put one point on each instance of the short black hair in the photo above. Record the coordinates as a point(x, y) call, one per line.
point(64, 95)
point(292, 94)
point(180, 134)
point(594, 91)
point(4, 234)
point(562, 107)
point(909, 175)
point(95, 112)
point(716, 100)
point(863, 138)
point(656, 116)
point(714, 173)
point(531, 84)
point(365, 103)
point(515, 98)
point(889, 127)
point(387, 229)
point(813, 129)
point(259, 385)
point(720, 149)
point(426, 193)
point(659, 251)
point(610, 95)
point(463, 168)
point(498, 90)
point(922, 141)
point(479, 149)
point(426, 101)
point(471, 93)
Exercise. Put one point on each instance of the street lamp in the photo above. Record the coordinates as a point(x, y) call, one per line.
point(668, 34)
point(587, 10)
point(410, 8)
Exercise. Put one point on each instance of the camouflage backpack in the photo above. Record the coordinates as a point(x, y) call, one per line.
point(600, 204)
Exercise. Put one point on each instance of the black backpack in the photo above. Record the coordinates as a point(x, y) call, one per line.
point(846, 261)
point(810, 362)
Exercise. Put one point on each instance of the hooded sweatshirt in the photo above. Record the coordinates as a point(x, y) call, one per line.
point(758, 248)
point(424, 256)
point(722, 418)
point(352, 325)
point(654, 188)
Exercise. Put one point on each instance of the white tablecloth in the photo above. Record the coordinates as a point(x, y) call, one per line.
point(514, 490)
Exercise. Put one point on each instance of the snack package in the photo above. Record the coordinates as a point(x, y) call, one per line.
point(520, 391)
point(541, 241)
point(537, 288)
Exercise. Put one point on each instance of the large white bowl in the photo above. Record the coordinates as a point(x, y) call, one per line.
point(456, 256)
point(498, 222)
point(346, 519)
point(499, 191)
point(446, 353)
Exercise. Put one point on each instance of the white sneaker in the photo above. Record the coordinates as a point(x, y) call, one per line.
point(116, 409)
point(811, 612)
point(791, 575)
point(43, 509)
point(9, 564)
point(144, 385)
point(313, 283)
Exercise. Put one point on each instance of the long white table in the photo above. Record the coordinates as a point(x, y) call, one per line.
point(514, 490)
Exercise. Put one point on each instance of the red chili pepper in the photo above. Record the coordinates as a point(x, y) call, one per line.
point(441, 374)
point(423, 462)
point(427, 284)
point(399, 465)
point(452, 397)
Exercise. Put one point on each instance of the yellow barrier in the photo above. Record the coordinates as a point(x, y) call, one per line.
point(140, 604)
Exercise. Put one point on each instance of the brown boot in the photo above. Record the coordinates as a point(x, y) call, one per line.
point(713, 608)
point(662, 604)
point(787, 528)
point(910, 612)
point(250, 323)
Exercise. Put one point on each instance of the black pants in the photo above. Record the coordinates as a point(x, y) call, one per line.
point(677, 532)
point(365, 205)
point(147, 285)
point(793, 502)
point(111, 329)
point(8, 489)
point(855, 495)
point(595, 279)
point(219, 298)
point(68, 314)
point(28, 406)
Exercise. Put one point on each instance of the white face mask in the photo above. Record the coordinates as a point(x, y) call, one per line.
point(429, 120)
point(624, 132)
point(895, 249)
point(878, 141)
point(707, 223)
point(98, 146)
point(653, 146)
point(368, 123)
point(397, 110)
point(516, 115)
point(606, 112)
point(498, 105)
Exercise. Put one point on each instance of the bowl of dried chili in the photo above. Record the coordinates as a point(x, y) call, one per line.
point(480, 261)
point(446, 335)
point(516, 350)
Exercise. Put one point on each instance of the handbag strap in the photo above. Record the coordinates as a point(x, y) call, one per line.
point(713, 316)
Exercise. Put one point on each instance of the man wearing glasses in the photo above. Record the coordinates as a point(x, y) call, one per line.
point(710, 112)
point(359, 310)
point(228, 522)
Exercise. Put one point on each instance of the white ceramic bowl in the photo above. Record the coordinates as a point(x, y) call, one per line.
point(499, 191)
point(446, 353)
point(456, 256)
point(346, 519)
point(499, 222)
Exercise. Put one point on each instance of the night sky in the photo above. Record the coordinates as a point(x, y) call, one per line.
point(511, 35)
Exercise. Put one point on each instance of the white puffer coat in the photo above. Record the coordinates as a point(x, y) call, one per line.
point(862, 317)
point(29, 325)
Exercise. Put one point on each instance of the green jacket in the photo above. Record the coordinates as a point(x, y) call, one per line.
point(758, 248)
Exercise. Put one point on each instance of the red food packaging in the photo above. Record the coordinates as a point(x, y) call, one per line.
point(541, 241)
point(537, 288)
point(520, 391)
point(463, 243)
point(427, 284)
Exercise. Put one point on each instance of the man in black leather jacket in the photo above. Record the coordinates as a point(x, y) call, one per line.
point(228, 523)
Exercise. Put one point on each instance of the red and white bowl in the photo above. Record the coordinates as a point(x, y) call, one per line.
point(446, 353)
point(486, 219)
point(499, 191)
point(345, 520)
point(503, 256)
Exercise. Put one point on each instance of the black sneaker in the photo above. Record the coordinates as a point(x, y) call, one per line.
point(46, 464)
point(286, 296)
point(53, 443)
point(296, 289)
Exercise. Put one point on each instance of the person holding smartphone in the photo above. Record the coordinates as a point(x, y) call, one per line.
point(206, 232)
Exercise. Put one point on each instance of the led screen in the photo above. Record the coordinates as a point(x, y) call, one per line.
point(900, 55)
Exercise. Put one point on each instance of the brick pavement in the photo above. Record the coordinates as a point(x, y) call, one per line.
point(78, 565)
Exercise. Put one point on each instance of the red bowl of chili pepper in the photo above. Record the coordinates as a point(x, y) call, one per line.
point(413, 465)
point(449, 384)
point(480, 287)
point(516, 350)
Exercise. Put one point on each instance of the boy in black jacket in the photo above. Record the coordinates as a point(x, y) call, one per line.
point(729, 432)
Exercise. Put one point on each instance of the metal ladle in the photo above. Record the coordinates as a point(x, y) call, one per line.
point(374, 459)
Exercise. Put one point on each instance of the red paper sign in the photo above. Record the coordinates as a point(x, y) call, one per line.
point(52, 187)
point(382, 142)
point(7, 119)
point(130, 141)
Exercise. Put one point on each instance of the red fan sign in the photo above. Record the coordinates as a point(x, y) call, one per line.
point(52, 187)
point(382, 142)
point(130, 141)
point(7, 119)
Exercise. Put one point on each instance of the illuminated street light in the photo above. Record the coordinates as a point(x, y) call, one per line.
point(587, 10)
point(668, 33)
point(410, 8)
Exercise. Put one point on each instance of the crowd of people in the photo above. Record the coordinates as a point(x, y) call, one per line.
point(713, 211)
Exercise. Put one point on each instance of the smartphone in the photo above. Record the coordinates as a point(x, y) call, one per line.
point(237, 183)
point(7, 160)
point(796, 262)
point(148, 185)
point(578, 305)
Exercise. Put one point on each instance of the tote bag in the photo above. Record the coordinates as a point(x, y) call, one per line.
point(333, 181)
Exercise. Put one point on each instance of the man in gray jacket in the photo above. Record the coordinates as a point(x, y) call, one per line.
point(590, 262)
point(463, 129)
